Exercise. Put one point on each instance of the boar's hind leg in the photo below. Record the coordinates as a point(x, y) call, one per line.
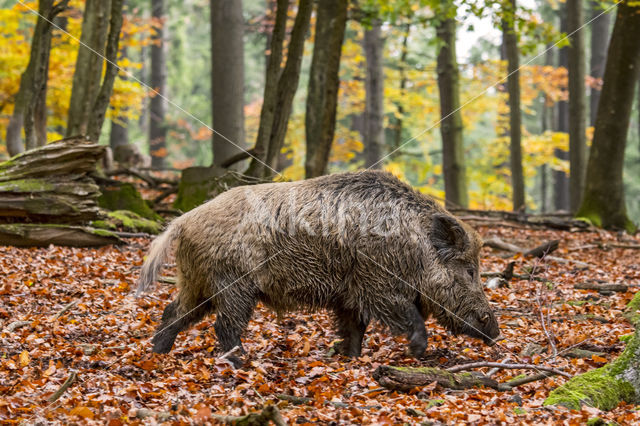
point(417, 333)
point(173, 322)
point(351, 328)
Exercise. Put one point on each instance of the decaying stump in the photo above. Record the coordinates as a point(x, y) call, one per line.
point(48, 195)
point(51, 183)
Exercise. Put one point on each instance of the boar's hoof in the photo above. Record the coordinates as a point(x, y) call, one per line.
point(236, 361)
point(417, 350)
point(344, 348)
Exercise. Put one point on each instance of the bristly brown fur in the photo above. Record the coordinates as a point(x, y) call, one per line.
point(363, 245)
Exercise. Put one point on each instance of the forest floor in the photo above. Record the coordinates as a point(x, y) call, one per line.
point(103, 337)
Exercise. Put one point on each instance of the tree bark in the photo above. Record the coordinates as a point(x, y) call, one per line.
point(515, 114)
point(604, 202)
point(30, 104)
point(560, 178)
point(101, 103)
point(599, 42)
point(288, 84)
point(88, 71)
point(278, 100)
point(158, 104)
point(227, 79)
point(269, 98)
point(397, 139)
point(324, 81)
point(577, 104)
point(453, 167)
point(374, 97)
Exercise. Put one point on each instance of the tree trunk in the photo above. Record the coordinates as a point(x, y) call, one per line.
point(88, 71)
point(30, 104)
point(158, 104)
point(577, 104)
point(603, 201)
point(453, 167)
point(269, 98)
point(515, 114)
point(560, 178)
point(374, 97)
point(119, 134)
point(397, 138)
point(101, 103)
point(545, 125)
point(278, 99)
point(324, 81)
point(599, 42)
point(288, 84)
point(227, 79)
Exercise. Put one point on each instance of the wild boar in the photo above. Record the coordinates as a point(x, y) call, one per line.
point(362, 245)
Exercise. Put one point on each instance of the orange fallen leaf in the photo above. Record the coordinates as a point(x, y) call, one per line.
point(24, 358)
point(84, 412)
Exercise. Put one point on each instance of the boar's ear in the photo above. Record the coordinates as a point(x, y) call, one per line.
point(448, 237)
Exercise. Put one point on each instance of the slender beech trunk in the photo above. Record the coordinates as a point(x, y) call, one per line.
point(453, 167)
point(397, 137)
point(324, 81)
point(88, 71)
point(101, 103)
point(545, 125)
point(599, 42)
point(560, 178)
point(288, 83)
point(280, 88)
point(30, 105)
point(158, 104)
point(603, 202)
point(374, 97)
point(227, 79)
point(515, 114)
point(119, 134)
point(269, 98)
point(577, 104)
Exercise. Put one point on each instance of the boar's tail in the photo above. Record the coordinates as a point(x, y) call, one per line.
point(157, 253)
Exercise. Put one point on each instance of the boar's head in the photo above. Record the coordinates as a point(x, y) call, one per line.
point(463, 306)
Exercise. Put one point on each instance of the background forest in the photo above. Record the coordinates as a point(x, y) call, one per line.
point(521, 116)
point(393, 80)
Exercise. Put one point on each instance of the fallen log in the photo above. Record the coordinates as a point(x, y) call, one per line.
point(42, 235)
point(539, 251)
point(621, 288)
point(562, 222)
point(405, 379)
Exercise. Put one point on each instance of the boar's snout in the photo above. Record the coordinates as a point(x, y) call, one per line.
point(483, 325)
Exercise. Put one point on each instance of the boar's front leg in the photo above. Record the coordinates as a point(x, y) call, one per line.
point(417, 333)
point(351, 328)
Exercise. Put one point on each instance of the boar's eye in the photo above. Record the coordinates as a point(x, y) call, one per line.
point(471, 272)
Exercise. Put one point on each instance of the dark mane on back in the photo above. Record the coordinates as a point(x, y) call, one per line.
point(375, 186)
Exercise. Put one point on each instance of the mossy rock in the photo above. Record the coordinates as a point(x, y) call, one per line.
point(125, 196)
point(606, 387)
point(129, 221)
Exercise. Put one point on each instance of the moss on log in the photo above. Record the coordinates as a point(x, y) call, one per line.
point(128, 221)
point(42, 235)
point(405, 379)
point(607, 386)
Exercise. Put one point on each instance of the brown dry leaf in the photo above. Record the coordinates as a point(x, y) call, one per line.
point(84, 412)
